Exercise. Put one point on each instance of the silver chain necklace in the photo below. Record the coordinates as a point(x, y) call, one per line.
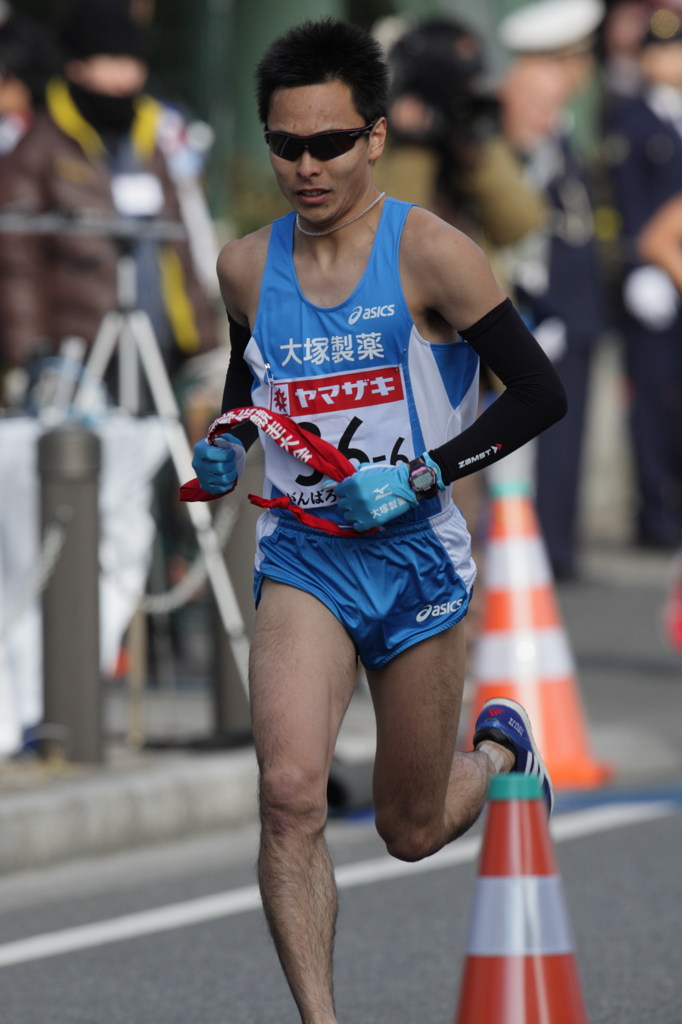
point(318, 234)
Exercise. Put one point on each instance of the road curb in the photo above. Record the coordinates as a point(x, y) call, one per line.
point(109, 812)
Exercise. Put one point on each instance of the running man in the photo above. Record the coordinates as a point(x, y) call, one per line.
point(363, 319)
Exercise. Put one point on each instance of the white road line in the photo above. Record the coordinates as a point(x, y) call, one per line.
point(607, 816)
point(238, 901)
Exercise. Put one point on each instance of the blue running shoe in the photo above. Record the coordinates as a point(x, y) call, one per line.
point(505, 722)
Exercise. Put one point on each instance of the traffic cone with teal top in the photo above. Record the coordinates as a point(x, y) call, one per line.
point(522, 652)
point(520, 966)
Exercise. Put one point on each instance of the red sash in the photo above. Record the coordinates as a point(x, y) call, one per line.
point(308, 448)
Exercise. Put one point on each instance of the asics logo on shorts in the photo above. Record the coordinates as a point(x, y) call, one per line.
point(435, 610)
point(370, 313)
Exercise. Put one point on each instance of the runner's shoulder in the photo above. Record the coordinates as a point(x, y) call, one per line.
point(444, 271)
point(428, 241)
point(240, 268)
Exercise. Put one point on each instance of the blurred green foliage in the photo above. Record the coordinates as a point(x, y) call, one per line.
point(256, 199)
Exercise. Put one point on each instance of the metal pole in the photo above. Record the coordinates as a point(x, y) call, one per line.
point(69, 463)
point(128, 367)
point(137, 679)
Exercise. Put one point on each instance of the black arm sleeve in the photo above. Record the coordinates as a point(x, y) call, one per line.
point(237, 391)
point(534, 398)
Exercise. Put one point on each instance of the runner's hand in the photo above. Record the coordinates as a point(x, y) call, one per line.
point(219, 468)
point(375, 495)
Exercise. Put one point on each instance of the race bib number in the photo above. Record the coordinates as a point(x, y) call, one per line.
point(362, 413)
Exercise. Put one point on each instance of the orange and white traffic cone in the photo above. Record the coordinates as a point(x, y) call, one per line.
point(522, 651)
point(520, 967)
point(672, 608)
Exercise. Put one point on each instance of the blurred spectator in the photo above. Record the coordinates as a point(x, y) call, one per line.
point(445, 150)
point(624, 28)
point(431, 113)
point(28, 59)
point(555, 270)
point(186, 148)
point(98, 133)
point(644, 144)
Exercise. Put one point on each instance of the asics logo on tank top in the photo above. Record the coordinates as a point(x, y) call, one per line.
point(343, 372)
point(370, 313)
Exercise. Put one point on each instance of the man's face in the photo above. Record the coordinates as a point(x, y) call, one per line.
point(532, 95)
point(109, 74)
point(321, 190)
point(661, 64)
point(577, 68)
point(15, 97)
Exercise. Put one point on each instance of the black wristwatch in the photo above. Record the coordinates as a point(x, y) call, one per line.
point(423, 479)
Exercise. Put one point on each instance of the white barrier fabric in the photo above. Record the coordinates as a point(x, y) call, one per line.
point(132, 452)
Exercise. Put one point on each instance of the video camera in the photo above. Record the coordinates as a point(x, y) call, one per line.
point(436, 97)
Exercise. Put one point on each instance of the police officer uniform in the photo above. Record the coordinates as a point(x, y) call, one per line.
point(574, 298)
point(557, 277)
point(644, 146)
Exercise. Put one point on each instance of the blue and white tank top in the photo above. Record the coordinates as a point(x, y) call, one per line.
point(358, 374)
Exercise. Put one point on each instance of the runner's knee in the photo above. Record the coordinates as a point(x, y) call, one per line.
point(407, 839)
point(293, 800)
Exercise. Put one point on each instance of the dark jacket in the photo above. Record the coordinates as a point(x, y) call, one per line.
point(645, 153)
point(575, 289)
point(53, 287)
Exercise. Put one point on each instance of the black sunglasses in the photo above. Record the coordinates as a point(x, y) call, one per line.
point(323, 146)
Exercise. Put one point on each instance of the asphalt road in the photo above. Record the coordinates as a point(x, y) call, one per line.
point(631, 679)
point(400, 942)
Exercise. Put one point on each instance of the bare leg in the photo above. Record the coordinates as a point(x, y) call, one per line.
point(303, 672)
point(425, 793)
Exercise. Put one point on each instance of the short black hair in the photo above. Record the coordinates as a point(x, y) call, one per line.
point(321, 51)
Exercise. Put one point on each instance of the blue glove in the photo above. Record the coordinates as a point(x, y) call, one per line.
point(219, 468)
point(375, 495)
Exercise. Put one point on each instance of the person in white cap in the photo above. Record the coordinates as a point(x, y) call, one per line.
point(555, 270)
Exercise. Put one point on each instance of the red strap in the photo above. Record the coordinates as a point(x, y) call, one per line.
point(317, 522)
point(192, 491)
point(308, 448)
point(296, 440)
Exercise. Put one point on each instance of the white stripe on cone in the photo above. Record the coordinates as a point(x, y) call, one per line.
point(522, 654)
point(517, 563)
point(519, 916)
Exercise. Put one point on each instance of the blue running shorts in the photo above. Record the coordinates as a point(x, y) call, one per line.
point(389, 590)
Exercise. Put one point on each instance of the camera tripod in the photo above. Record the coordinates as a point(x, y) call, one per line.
point(128, 332)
